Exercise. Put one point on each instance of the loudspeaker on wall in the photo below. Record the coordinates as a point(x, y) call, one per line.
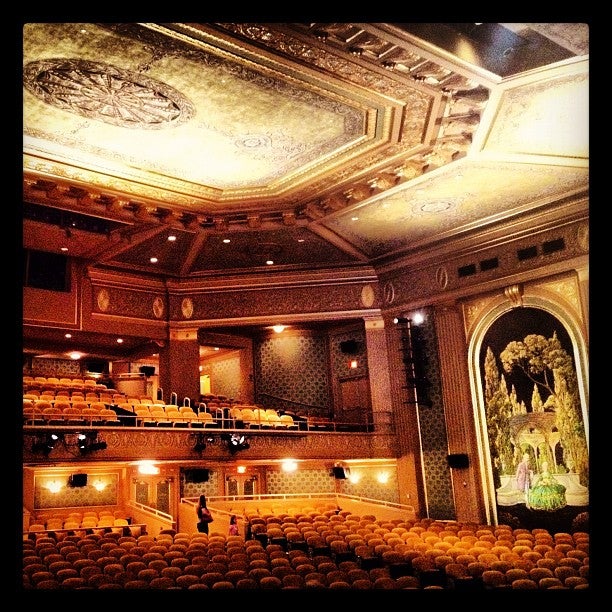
point(458, 460)
point(77, 480)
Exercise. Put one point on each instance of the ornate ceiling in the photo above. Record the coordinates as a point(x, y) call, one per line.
point(314, 145)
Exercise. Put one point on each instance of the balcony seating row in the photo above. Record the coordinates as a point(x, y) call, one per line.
point(118, 409)
point(77, 396)
point(53, 382)
point(43, 412)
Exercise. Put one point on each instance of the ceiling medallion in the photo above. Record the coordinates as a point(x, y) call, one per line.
point(103, 92)
point(435, 206)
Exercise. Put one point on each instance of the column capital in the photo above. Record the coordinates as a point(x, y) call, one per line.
point(183, 333)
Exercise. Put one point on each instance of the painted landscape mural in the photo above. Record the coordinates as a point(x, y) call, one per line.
point(535, 422)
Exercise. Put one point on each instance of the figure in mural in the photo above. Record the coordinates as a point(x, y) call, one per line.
point(524, 476)
point(546, 492)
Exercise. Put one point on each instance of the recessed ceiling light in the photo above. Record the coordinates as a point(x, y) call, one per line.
point(153, 260)
point(354, 218)
point(119, 340)
point(67, 335)
point(226, 240)
point(64, 249)
point(171, 238)
point(269, 262)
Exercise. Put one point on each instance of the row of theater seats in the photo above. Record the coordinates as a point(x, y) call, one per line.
point(61, 410)
point(77, 413)
point(53, 382)
point(254, 417)
point(110, 396)
point(75, 519)
point(412, 555)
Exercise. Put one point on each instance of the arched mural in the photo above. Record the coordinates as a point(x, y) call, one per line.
point(535, 428)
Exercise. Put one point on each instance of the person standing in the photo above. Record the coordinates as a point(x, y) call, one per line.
point(233, 526)
point(204, 515)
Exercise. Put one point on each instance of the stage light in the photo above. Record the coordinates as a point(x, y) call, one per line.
point(88, 442)
point(82, 442)
point(236, 442)
point(45, 443)
point(200, 444)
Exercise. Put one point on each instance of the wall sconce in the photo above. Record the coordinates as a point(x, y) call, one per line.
point(353, 364)
point(401, 320)
point(99, 485)
point(241, 469)
point(289, 465)
point(354, 477)
point(147, 467)
point(54, 486)
point(382, 477)
point(278, 328)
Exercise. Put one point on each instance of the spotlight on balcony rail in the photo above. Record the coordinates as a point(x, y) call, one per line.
point(401, 320)
point(200, 444)
point(89, 442)
point(236, 442)
point(45, 443)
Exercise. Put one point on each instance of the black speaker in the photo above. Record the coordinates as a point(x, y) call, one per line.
point(44, 270)
point(95, 365)
point(458, 460)
point(349, 347)
point(339, 473)
point(147, 370)
point(78, 480)
point(196, 475)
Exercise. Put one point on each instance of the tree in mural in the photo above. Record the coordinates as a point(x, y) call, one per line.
point(546, 363)
point(499, 409)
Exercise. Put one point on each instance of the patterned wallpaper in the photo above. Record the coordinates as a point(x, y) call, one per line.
point(368, 485)
point(321, 481)
point(61, 368)
point(341, 361)
point(291, 368)
point(75, 497)
point(208, 488)
point(312, 481)
point(225, 377)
